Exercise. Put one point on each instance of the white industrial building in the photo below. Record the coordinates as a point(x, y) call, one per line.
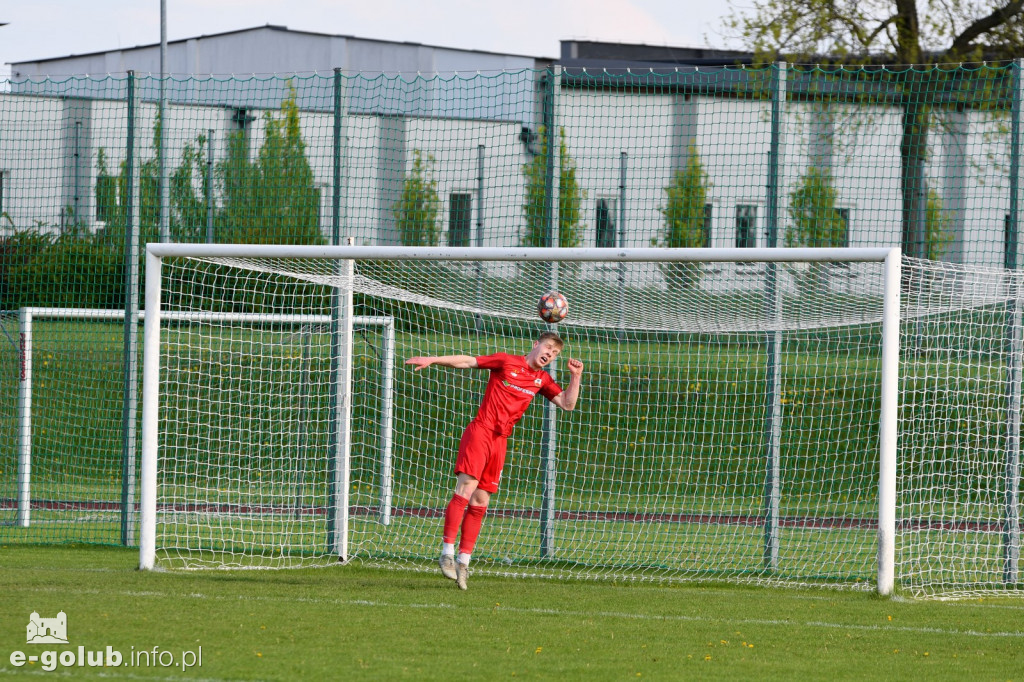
point(477, 114)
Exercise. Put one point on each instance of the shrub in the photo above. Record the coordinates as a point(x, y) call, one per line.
point(685, 222)
point(417, 209)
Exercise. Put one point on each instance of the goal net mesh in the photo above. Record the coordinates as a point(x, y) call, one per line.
point(958, 507)
point(727, 429)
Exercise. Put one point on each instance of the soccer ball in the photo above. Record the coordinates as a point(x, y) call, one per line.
point(553, 307)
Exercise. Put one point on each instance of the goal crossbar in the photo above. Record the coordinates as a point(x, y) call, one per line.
point(461, 253)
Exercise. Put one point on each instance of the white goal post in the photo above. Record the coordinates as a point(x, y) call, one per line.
point(445, 313)
point(27, 317)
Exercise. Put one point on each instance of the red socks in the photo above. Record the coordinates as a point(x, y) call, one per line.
point(453, 518)
point(471, 527)
point(470, 517)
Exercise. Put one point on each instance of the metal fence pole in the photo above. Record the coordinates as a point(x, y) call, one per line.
point(479, 233)
point(209, 186)
point(551, 214)
point(165, 185)
point(1015, 349)
point(131, 328)
point(772, 303)
point(338, 144)
point(623, 158)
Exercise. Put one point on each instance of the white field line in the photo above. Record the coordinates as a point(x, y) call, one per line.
point(773, 622)
point(825, 595)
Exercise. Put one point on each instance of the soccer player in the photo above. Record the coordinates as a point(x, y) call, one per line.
point(514, 381)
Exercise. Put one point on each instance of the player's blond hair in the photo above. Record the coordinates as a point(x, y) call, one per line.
point(553, 336)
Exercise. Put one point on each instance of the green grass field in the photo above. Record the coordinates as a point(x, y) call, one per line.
point(666, 427)
point(669, 426)
point(354, 622)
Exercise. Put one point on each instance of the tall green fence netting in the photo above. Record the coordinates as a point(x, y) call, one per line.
point(93, 168)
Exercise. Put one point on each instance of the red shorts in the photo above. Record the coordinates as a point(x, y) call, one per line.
point(482, 456)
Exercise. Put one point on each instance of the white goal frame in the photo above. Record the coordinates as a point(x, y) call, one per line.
point(27, 315)
point(346, 256)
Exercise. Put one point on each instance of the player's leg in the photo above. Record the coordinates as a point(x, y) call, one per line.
point(474, 517)
point(472, 522)
point(468, 467)
point(454, 513)
point(466, 486)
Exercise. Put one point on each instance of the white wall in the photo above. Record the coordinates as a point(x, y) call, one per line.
point(967, 165)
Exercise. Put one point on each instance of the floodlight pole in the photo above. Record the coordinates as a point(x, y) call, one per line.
point(165, 190)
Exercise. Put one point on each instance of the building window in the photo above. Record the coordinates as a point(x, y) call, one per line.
point(241, 118)
point(844, 230)
point(605, 236)
point(746, 226)
point(106, 198)
point(460, 217)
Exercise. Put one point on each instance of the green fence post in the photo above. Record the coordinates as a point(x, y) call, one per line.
point(131, 330)
point(773, 350)
point(1015, 337)
point(1010, 238)
point(336, 154)
point(209, 186)
point(550, 440)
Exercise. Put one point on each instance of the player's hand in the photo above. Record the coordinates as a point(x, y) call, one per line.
point(420, 362)
point(575, 367)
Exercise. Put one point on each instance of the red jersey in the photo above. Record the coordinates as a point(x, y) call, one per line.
point(509, 390)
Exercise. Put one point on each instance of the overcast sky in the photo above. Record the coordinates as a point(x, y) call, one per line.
point(37, 29)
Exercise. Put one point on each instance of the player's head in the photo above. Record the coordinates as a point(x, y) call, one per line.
point(555, 338)
point(545, 350)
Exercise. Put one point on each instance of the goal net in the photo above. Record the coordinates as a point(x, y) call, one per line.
point(959, 474)
point(730, 425)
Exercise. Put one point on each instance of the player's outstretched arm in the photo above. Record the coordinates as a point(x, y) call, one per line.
point(456, 361)
point(567, 398)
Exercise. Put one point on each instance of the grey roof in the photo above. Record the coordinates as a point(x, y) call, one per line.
point(273, 27)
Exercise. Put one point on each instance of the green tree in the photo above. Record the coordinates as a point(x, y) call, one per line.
point(817, 221)
point(938, 227)
point(904, 32)
point(416, 211)
point(570, 205)
point(188, 202)
point(187, 206)
point(570, 198)
point(273, 199)
point(239, 181)
point(684, 223)
point(109, 208)
point(112, 193)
